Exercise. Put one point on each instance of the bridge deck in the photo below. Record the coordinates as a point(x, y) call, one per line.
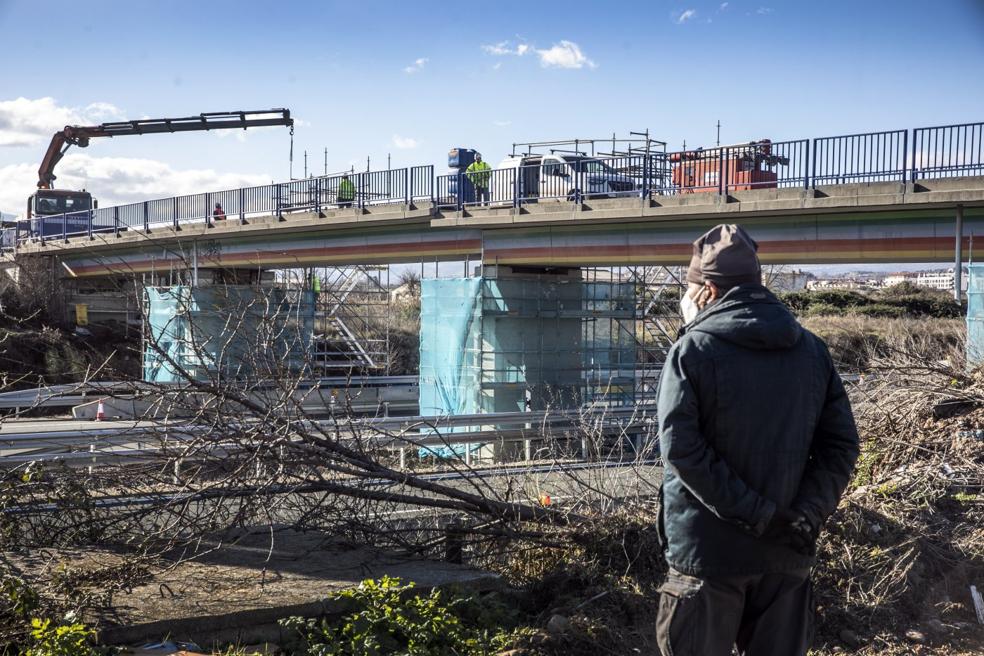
point(878, 221)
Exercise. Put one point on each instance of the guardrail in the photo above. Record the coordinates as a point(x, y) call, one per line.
point(948, 151)
point(870, 157)
point(134, 441)
point(771, 164)
point(68, 395)
point(555, 177)
point(406, 185)
point(895, 155)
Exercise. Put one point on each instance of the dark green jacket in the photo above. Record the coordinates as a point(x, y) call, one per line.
point(752, 416)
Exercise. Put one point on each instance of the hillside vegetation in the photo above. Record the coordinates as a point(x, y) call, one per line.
point(904, 300)
point(39, 346)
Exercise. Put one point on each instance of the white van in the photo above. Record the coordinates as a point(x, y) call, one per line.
point(561, 177)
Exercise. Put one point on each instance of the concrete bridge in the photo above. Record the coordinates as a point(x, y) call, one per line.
point(896, 196)
point(850, 223)
point(851, 199)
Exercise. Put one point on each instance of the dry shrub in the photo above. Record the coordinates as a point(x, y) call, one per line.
point(36, 296)
point(854, 340)
point(601, 574)
point(908, 539)
point(898, 555)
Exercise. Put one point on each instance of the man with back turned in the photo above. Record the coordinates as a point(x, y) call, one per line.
point(758, 442)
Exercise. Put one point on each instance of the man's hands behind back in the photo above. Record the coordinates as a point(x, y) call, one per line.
point(792, 529)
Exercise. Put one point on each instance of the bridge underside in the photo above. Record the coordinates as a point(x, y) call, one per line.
point(876, 222)
point(898, 236)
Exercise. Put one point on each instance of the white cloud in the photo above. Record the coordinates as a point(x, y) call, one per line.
point(505, 48)
point(118, 180)
point(686, 15)
point(723, 6)
point(404, 143)
point(101, 112)
point(417, 66)
point(241, 135)
point(17, 182)
point(565, 54)
point(762, 11)
point(501, 124)
point(27, 122)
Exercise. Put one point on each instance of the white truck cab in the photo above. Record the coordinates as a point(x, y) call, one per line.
point(562, 177)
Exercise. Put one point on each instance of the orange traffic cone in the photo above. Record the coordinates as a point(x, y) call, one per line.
point(100, 411)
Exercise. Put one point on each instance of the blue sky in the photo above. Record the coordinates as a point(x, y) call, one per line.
point(416, 78)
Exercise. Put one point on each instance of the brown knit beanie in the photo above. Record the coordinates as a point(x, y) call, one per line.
point(726, 256)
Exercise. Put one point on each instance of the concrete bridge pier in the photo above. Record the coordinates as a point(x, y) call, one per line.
point(522, 339)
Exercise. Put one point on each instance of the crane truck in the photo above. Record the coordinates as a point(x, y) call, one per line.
point(48, 201)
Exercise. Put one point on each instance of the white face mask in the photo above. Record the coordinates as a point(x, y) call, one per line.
point(688, 308)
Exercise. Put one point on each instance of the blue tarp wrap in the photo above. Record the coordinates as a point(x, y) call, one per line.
point(449, 328)
point(520, 344)
point(229, 331)
point(975, 314)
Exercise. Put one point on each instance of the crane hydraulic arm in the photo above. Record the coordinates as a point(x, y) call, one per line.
point(76, 135)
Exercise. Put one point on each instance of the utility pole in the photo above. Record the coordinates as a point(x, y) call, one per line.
point(326, 161)
point(305, 162)
point(718, 143)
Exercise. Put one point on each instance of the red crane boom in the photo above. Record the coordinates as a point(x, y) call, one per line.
point(51, 201)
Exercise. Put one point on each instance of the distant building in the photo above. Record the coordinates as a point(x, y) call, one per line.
point(789, 281)
point(896, 279)
point(839, 283)
point(942, 279)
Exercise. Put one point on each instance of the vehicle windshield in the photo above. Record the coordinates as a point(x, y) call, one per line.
point(61, 203)
point(582, 165)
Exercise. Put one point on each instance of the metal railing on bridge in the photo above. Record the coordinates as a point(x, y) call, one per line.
point(364, 189)
point(559, 177)
point(897, 155)
point(948, 151)
point(903, 156)
point(870, 157)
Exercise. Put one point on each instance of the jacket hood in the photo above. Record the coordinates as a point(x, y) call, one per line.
point(751, 316)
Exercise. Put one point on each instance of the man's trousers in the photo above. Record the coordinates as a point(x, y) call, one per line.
point(762, 614)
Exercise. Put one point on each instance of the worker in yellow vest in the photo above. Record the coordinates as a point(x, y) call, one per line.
point(479, 174)
point(346, 192)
